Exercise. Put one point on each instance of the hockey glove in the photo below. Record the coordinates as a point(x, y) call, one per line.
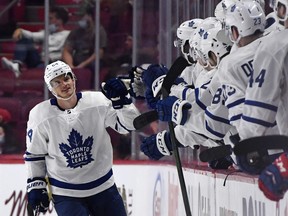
point(173, 109)
point(150, 99)
point(153, 72)
point(137, 87)
point(115, 90)
point(273, 180)
point(157, 145)
point(37, 194)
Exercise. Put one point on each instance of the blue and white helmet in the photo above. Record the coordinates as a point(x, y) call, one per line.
point(194, 42)
point(54, 70)
point(247, 17)
point(210, 43)
point(184, 32)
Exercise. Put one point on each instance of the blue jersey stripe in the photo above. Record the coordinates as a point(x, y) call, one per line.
point(216, 118)
point(184, 93)
point(85, 186)
point(235, 103)
point(200, 104)
point(121, 125)
point(258, 121)
point(262, 105)
point(35, 159)
point(215, 133)
point(236, 117)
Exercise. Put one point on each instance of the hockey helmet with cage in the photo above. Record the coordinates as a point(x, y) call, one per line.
point(221, 9)
point(210, 43)
point(247, 17)
point(281, 5)
point(184, 32)
point(54, 70)
point(194, 42)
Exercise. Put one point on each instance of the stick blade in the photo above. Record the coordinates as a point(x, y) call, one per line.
point(145, 119)
point(255, 144)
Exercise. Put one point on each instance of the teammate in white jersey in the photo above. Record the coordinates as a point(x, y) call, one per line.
point(267, 102)
point(209, 56)
point(67, 142)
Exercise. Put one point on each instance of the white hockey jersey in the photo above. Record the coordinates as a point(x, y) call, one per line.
point(72, 147)
point(267, 95)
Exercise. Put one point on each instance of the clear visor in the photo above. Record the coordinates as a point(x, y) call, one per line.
point(58, 80)
point(178, 42)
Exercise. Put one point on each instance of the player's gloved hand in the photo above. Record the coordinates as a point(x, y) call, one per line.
point(150, 99)
point(37, 194)
point(173, 109)
point(153, 72)
point(115, 90)
point(137, 87)
point(157, 146)
point(273, 180)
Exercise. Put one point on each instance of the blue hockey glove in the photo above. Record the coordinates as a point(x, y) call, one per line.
point(115, 90)
point(157, 145)
point(150, 99)
point(37, 194)
point(273, 180)
point(153, 72)
point(173, 109)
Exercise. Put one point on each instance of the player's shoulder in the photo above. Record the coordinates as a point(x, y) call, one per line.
point(94, 98)
point(274, 43)
point(40, 111)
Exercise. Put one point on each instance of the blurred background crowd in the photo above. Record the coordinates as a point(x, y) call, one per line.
point(124, 33)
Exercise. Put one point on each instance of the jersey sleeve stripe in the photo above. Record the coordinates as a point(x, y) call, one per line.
point(184, 93)
point(215, 133)
point(235, 117)
point(200, 104)
point(258, 121)
point(83, 186)
point(235, 103)
point(262, 105)
point(216, 118)
point(116, 127)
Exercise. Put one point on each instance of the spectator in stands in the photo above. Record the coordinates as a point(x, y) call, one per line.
point(125, 59)
point(25, 50)
point(79, 47)
point(8, 143)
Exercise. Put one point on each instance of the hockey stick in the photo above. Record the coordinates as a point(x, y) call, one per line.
point(260, 145)
point(30, 210)
point(176, 69)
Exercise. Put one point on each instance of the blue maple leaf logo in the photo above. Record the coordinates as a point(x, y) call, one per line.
point(77, 153)
point(205, 36)
point(191, 24)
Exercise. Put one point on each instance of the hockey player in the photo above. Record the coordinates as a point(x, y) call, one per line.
point(234, 71)
point(67, 142)
point(266, 103)
point(209, 58)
